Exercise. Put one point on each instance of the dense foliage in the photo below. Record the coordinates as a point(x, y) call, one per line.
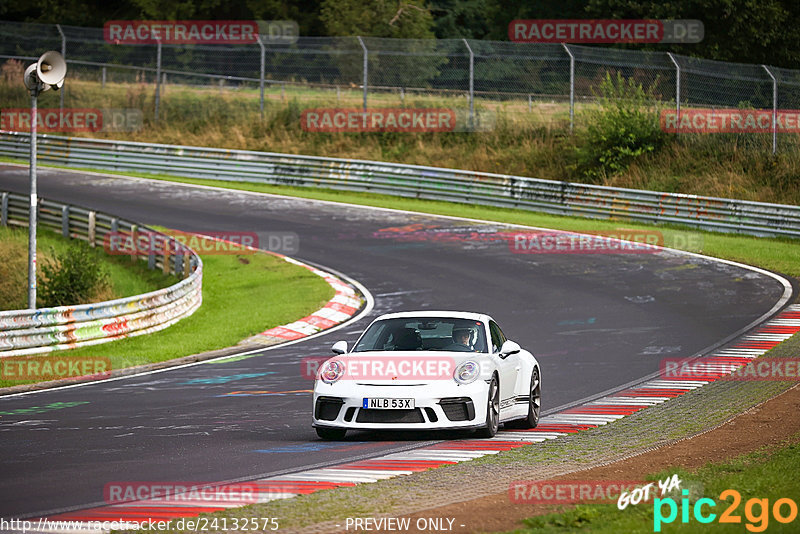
point(735, 30)
point(72, 277)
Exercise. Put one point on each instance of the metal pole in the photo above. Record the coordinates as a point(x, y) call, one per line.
point(774, 111)
point(158, 78)
point(366, 69)
point(64, 55)
point(471, 80)
point(33, 206)
point(571, 87)
point(104, 78)
point(677, 88)
point(261, 79)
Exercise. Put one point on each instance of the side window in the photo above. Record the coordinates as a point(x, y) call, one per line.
point(497, 336)
point(503, 337)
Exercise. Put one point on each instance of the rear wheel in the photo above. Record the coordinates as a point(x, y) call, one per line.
point(534, 404)
point(492, 411)
point(331, 433)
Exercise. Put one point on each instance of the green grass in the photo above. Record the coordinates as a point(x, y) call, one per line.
point(764, 474)
point(126, 278)
point(243, 295)
point(527, 143)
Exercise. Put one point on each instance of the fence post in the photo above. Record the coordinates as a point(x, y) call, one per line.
point(135, 247)
point(677, 88)
point(571, 87)
point(774, 111)
point(64, 55)
point(92, 228)
point(65, 220)
point(158, 77)
point(261, 78)
point(366, 69)
point(4, 209)
point(104, 77)
point(471, 80)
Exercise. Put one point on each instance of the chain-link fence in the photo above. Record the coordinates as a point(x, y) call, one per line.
point(369, 71)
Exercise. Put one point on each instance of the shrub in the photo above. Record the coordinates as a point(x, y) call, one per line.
point(623, 127)
point(73, 277)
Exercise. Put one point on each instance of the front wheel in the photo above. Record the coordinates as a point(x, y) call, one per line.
point(331, 433)
point(492, 411)
point(534, 404)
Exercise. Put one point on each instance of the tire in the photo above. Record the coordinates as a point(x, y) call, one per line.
point(534, 404)
point(492, 411)
point(329, 433)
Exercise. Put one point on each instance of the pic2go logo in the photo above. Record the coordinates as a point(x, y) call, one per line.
point(756, 511)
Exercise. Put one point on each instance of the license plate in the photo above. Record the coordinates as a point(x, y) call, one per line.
point(388, 404)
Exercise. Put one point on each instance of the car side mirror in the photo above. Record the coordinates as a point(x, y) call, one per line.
point(340, 347)
point(508, 348)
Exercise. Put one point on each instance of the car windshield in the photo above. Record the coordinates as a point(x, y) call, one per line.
point(424, 333)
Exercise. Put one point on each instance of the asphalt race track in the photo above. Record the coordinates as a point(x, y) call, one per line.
point(595, 321)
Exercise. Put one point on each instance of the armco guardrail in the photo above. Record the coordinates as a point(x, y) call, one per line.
point(563, 198)
point(33, 331)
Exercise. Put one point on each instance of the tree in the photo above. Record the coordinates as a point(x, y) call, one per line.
point(459, 19)
point(407, 19)
point(745, 31)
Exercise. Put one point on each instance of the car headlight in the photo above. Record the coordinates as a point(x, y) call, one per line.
point(331, 371)
point(467, 372)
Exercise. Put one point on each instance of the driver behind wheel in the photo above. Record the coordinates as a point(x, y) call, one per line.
point(461, 340)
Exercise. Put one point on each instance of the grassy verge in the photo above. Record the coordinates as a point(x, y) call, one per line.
point(125, 278)
point(528, 143)
point(243, 294)
point(758, 475)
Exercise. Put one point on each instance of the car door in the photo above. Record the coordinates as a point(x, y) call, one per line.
point(509, 367)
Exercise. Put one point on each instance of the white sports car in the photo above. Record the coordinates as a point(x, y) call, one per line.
point(430, 370)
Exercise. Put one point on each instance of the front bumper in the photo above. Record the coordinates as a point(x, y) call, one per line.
point(437, 406)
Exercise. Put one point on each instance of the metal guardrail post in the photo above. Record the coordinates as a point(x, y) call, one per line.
point(151, 253)
point(571, 87)
point(64, 55)
point(774, 110)
point(677, 87)
point(134, 241)
point(4, 209)
point(103, 85)
point(366, 68)
point(65, 221)
point(92, 228)
point(471, 80)
point(158, 78)
point(261, 76)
